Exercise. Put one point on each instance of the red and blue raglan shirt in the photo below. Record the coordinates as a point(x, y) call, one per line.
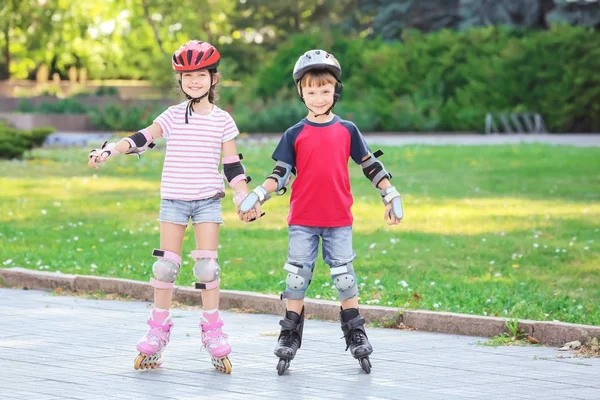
point(321, 190)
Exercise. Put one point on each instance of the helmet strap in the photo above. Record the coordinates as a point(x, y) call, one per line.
point(193, 100)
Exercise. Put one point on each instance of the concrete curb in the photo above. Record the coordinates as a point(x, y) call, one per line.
point(549, 333)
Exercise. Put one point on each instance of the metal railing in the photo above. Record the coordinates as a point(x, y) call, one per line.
point(512, 123)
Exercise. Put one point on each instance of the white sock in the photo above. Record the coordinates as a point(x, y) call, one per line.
point(160, 310)
point(214, 310)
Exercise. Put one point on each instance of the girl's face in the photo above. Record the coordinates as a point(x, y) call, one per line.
point(318, 98)
point(196, 83)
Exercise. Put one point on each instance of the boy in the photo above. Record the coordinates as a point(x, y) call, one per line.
point(316, 150)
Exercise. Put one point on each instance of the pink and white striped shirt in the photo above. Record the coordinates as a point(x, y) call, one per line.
point(191, 168)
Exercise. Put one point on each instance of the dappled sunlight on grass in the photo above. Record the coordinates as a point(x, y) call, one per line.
point(79, 187)
point(507, 231)
point(477, 216)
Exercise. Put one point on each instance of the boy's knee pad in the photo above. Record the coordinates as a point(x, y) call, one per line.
point(344, 279)
point(297, 281)
point(165, 269)
point(206, 269)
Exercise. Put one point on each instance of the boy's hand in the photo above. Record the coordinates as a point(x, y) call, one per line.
point(258, 196)
point(251, 215)
point(389, 217)
point(241, 201)
point(393, 205)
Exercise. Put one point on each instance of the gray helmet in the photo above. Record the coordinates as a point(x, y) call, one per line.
point(316, 59)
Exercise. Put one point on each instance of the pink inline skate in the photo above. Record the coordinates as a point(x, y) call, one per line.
point(214, 340)
point(154, 341)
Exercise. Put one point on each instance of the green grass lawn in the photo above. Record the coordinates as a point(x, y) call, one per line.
point(509, 231)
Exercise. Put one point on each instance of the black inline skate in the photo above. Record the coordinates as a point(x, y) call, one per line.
point(353, 326)
point(290, 339)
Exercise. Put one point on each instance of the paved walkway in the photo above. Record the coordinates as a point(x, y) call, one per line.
point(591, 140)
point(60, 347)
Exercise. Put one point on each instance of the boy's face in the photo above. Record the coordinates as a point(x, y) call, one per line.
point(318, 98)
point(196, 83)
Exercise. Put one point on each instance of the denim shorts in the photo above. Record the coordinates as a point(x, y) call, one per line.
point(302, 254)
point(180, 211)
point(303, 245)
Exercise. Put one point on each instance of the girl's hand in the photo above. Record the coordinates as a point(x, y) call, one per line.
point(99, 156)
point(251, 215)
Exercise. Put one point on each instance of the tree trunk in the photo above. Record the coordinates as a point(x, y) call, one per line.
point(5, 71)
point(153, 26)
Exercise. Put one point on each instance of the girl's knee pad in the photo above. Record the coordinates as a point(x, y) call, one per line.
point(165, 269)
point(206, 268)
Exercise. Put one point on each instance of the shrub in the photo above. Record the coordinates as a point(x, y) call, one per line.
point(15, 142)
point(449, 80)
point(113, 118)
point(62, 106)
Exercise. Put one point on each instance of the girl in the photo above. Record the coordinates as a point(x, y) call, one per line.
point(196, 132)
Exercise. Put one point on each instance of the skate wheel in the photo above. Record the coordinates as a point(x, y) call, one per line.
point(222, 364)
point(143, 361)
point(138, 361)
point(365, 364)
point(282, 365)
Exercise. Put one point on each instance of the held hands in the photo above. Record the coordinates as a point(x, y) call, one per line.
point(248, 216)
point(249, 209)
point(99, 156)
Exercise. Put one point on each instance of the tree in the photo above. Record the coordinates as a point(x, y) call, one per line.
point(261, 25)
point(576, 12)
point(23, 21)
point(389, 18)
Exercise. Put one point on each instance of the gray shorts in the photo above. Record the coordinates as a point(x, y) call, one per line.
point(180, 211)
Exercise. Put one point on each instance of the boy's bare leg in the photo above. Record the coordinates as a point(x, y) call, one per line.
point(295, 305)
point(350, 303)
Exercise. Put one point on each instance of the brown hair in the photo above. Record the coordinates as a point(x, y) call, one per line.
point(318, 77)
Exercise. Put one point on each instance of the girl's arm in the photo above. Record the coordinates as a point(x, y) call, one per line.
point(235, 173)
point(134, 144)
point(231, 159)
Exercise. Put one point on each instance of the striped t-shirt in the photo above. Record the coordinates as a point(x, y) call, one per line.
point(191, 168)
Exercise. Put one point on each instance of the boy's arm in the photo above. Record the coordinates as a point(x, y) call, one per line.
point(285, 161)
point(276, 182)
point(376, 173)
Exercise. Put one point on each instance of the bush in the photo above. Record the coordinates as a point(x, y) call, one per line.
point(107, 91)
point(272, 116)
point(114, 118)
point(62, 106)
point(449, 81)
point(38, 135)
point(15, 142)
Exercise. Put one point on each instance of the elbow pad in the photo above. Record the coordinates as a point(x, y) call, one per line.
point(234, 171)
point(281, 174)
point(139, 142)
point(374, 169)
